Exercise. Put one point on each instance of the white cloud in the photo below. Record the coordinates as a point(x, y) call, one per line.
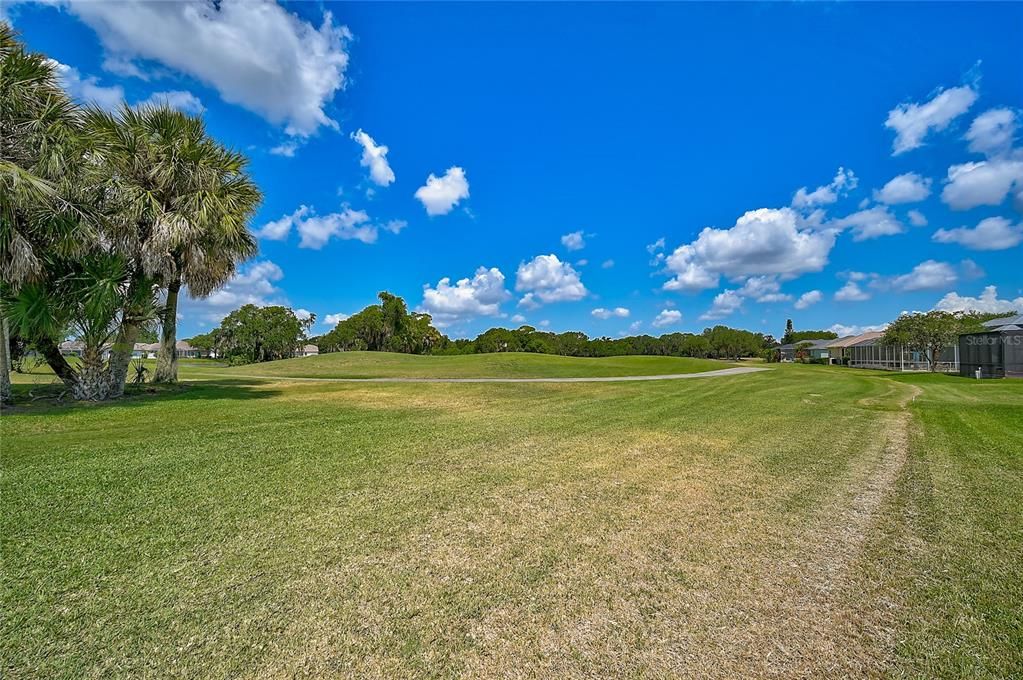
point(762, 242)
point(725, 303)
point(374, 157)
point(808, 299)
point(844, 331)
point(983, 183)
point(88, 90)
point(303, 314)
point(286, 149)
point(851, 292)
point(601, 313)
point(907, 188)
point(253, 284)
point(548, 279)
point(316, 230)
point(928, 275)
point(176, 99)
point(574, 241)
point(518, 318)
point(913, 122)
point(334, 319)
point(992, 132)
point(278, 230)
point(441, 194)
point(254, 53)
point(655, 246)
point(871, 223)
point(993, 233)
point(987, 302)
point(607, 264)
point(544, 324)
point(916, 218)
point(763, 289)
point(482, 295)
point(666, 317)
point(528, 301)
point(844, 182)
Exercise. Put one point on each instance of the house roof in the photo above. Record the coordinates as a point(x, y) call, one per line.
point(68, 345)
point(866, 339)
point(1016, 320)
point(810, 344)
point(183, 346)
point(311, 348)
point(850, 340)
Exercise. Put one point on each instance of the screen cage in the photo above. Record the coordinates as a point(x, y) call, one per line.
point(998, 354)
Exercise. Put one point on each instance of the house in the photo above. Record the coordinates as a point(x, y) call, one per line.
point(72, 348)
point(994, 353)
point(839, 349)
point(307, 351)
point(811, 349)
point(186, 351)
point(872, 352)
point(145, 350)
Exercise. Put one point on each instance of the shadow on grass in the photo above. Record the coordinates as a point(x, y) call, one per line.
point(52, 398)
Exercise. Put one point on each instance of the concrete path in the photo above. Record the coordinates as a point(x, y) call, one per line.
point(739, 370)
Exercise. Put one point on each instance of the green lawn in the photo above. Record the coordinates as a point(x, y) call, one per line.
point(502, 365)
point(800, 521)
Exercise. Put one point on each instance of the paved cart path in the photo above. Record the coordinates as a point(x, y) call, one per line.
point(739, 370)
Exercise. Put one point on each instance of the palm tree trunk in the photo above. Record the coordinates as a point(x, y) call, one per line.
point(57, 363)
point(124, 344)
point(167, 358)
point(5, 362)
point(93, 383)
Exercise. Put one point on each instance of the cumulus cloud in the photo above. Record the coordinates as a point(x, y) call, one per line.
point(808, 299)
point(871, 223)
point(286, 149)
point(574, 241)
point(517, 318)
point(303, 314)
point(374, 157)
point(88, 89)
point(928, 275)
point(992, 132)
point(993, 233)
point(916, 218)
point(316, 230)
point(176, 99)
point(545, 278)
point(983, 183)
point(601, 313)
point(725, 303)
point(481, 295)
point(763, 289)
point(666, 317)
point(335, 319)
point(987, 302)
point(844, 182)
point(254, 53)
point(907, 188)
point(441, 194)
point(842, 331)
point(763, 242)
point(253, 284)
point(913, 122)
point(851, 292)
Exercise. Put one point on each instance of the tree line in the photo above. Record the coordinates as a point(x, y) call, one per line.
point(104, 217)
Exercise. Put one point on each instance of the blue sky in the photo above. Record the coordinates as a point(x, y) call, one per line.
point(608, 168)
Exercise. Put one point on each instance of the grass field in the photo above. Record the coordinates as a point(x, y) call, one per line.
point(802, 521)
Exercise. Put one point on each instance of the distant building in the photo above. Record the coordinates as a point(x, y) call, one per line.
point(72, 348)
point(307, 351)
point(872, 352)
point(840, 349)
point(185, 351)
point(813, 349)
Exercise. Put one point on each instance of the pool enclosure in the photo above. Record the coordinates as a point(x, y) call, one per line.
point(995, 354)
point(872, 353)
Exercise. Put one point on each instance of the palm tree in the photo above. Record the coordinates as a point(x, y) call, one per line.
point(181, 206)
point(39, 160)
